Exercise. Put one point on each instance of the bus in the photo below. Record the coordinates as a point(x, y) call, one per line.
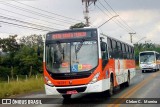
point(149, 61)
point(84, 60)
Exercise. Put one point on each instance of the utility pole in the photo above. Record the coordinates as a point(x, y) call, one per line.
point(86, 12)
point(140, 40)
point(131, 34)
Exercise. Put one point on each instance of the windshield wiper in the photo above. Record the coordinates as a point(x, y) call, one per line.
point(79, 46)
point(60, 48)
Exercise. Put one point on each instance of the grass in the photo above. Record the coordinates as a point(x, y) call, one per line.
point(23, 86)
point(137, 67)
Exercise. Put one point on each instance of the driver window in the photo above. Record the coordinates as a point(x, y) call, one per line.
point(104, 56)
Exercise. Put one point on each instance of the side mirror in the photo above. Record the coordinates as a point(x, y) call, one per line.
point(38, 52)
point(103, 46)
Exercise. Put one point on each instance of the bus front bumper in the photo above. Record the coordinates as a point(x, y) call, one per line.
point(98, 86)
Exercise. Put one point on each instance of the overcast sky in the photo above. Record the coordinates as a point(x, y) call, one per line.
point(140, 16)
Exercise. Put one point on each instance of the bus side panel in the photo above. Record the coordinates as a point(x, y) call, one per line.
point(129, 66)
point(119, 68)
point(110, 69)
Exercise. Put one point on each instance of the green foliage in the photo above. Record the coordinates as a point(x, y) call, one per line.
point(9, 44)
point(22, 58)
point(78, 25)
point(27, 57)
point(4, 72)
point(14, 87)
point(32, 40)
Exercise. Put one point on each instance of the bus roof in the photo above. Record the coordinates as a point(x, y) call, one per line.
point(74, 29)
point(148, 51)
point(118, 40)
point(89, 28)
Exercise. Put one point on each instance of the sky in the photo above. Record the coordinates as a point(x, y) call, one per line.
point(140, 16)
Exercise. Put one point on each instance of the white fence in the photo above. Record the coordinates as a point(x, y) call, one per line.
point(22, 77)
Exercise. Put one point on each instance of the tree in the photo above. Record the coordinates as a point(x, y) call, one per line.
point(32, 40)
point(22, 58)
point(9, 44)
point(28, 62)
point(78, 25)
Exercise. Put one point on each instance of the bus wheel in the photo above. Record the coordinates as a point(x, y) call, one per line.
point(128, 81)
point(110, 91)
point(142, 71)
point(68, 96)
point(154, 70)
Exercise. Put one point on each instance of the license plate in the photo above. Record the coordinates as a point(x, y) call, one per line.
point(72, 92)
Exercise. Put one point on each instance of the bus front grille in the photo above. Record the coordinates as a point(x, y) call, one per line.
point(78, 89)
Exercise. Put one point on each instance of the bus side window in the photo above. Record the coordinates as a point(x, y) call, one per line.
point(114, 47)
point(119, 50)
point(127, 50)
point(123, 50)
point(156, 56)
point(109, 43)
point(132, 53)
point(104, 54)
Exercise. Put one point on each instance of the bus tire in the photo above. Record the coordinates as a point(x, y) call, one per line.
point(110, 91)
point(142, 71)
point(128, 80)
point(67, 96)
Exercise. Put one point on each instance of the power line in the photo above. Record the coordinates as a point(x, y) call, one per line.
point(37, 13)
point(31, 17)
point(46, 11)
point(26, 20)
point(18, 25)
point(113, 19)
point(108, 20)
point(117, 14)
point(112, 15)
point(7, 18)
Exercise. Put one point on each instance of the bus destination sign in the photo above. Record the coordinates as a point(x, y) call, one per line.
point(69, 35)
point(72, 34)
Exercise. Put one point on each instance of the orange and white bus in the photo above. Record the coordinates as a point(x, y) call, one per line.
point(85, 61)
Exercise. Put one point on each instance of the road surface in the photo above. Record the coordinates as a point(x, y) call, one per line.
point(143, 85)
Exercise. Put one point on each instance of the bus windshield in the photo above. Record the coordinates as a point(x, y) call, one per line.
point(72, 56)
point(148, 57)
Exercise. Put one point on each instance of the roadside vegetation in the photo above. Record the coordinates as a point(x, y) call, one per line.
point(20, 62)
point(20, 87)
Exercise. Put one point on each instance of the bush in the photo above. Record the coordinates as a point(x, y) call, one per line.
point(23, 86)
point(4, 72)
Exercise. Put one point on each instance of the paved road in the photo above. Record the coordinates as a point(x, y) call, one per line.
point(143, 85)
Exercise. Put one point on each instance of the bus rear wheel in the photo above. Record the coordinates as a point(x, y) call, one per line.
point(110, 91)
point(65, 97)
point(154, 70)
point(128, 81)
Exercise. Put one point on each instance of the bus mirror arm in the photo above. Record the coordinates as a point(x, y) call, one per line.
point(103, 46)
point(105, 61)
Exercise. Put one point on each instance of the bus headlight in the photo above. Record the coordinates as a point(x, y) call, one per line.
point(153, 65)
point(48, 82)
point(95, 78)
